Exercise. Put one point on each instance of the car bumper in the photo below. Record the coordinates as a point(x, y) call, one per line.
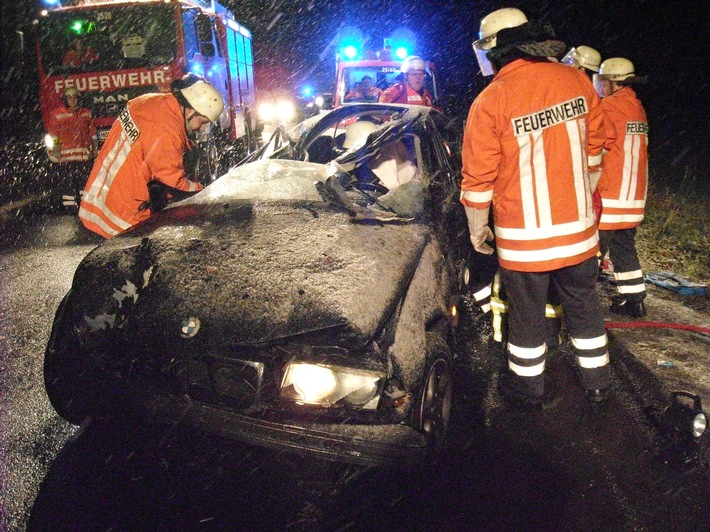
point(395, 445)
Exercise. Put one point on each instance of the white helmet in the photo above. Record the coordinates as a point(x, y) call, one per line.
point(71, 91)
point(204, 99)
point(413, 62)
point(584, 56)
point(356, 133)
point(508, 17)
point(617, 69)
point(491, 24)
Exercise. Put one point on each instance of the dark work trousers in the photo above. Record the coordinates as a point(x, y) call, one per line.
point(627, 269)
point(575, 286)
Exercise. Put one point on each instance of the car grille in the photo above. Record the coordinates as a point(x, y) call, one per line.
point(218, 380)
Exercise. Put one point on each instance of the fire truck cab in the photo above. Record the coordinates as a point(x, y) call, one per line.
point(133, 47)
point(381, 66)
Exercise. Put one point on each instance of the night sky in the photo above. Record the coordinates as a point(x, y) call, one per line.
point(666, 40)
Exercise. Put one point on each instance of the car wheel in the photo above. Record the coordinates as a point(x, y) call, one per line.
point(433, 405)
point(67, 378)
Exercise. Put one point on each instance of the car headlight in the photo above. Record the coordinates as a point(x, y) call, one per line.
point(328, 385)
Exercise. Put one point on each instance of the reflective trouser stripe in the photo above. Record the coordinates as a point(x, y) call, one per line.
point(526, 361)
point(591, 352)
point(483, 298)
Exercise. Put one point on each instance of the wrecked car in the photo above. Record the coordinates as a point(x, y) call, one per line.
point(297, 305)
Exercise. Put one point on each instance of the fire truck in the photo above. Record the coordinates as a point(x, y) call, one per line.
point(141, 46)
point(353, 62)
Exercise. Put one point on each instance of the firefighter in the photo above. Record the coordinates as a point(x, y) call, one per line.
point(587, 60)
point(72, 142)
point(624, 181)
point(365, 91)
point(529, 140)
point(79, 54)
point(410, 89)
point(145, 144)
point(584, 58)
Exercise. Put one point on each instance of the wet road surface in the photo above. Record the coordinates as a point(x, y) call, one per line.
point(570, 466)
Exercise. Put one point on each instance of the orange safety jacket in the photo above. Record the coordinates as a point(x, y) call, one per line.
point(624, 181)
point(146, 142)
point(528, 148)
point(401, 92)
point(74, 130)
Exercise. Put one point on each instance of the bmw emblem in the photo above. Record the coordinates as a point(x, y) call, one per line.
point(190, 327)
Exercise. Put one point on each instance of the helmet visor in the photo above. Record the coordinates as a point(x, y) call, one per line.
point(481, 48)
point(570, 57)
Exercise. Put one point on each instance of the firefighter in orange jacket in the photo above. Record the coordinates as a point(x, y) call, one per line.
point(624, 181)
point(411, 89)
point(530, 140)
point(586, 59)
point(146, 142)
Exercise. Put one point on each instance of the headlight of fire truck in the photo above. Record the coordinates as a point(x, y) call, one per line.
point(278, 111)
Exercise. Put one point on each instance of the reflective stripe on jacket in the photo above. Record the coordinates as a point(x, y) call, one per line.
point(74, 129)
point(147, 141)
point(527, 149)
point(624, 181)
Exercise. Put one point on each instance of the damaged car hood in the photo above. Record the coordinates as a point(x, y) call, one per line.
point(249, 270)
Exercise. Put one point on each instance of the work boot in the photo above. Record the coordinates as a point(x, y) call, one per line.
point(628, 307)
point(512, 388)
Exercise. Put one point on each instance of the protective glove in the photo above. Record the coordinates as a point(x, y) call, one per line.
point(595, 174)
point(478, 227)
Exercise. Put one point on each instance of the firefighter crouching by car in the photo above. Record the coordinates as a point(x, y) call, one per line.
point(71, 141)
point(624, 181)
point(146, 143)
point(529, 140)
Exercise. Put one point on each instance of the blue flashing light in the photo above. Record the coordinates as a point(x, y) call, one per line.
point(401, 52)
point(350, 51)
point(197, 68)
point(51, 2)
point(307, 91)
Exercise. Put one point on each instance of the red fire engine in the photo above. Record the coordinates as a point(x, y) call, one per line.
point(352, 63)
point(140, 46)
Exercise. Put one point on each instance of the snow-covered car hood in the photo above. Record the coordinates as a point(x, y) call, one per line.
point(251, 271)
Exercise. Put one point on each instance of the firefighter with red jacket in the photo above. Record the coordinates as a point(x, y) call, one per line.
point(531, 138)
point(146, 143)
point(71, 141)
point(624, 181)
point(72, 130)
point(410, 89)
point(364, 92)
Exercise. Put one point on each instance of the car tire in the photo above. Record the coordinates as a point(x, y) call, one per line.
point(433, 406)
point(67, 379)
